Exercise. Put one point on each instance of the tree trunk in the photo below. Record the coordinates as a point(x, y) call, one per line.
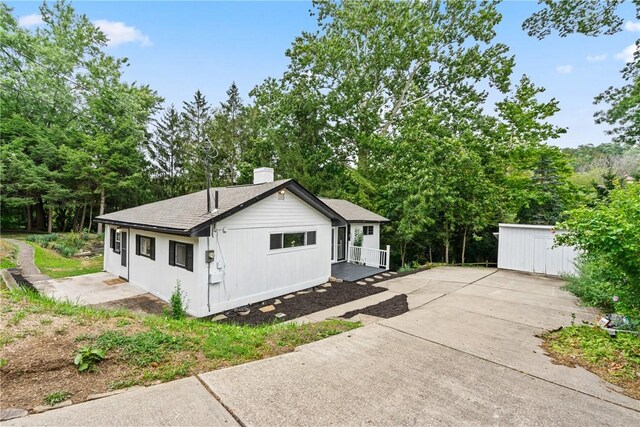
point(90, 216)
point(40, 216)
point(102, 202)
point(50, 225)
point(29, 219)
point(464, 244)
point(446, 251)
point(84, 213)
point(430, 254)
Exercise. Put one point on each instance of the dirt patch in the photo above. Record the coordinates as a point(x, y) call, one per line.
point(305, 303)
point(145, 303)
point(386, 309)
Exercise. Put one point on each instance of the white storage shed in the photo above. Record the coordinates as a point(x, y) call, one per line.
point(532, 249)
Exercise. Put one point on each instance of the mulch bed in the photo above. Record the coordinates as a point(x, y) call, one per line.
point(386, 309)
point(302, 304)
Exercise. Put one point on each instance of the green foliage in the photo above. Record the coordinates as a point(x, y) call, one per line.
point(177, 303)
point(609, 233)
point(144, 348)
point(590, 346)
point(358, 237)
point(87, 357)
point(56, 397)
point(55, 265)
point(67, 244)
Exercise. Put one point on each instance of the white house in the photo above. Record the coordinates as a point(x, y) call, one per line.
point(242, 244)
point(532, 249)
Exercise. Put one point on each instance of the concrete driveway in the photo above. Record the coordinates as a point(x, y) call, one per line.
point(465, 354)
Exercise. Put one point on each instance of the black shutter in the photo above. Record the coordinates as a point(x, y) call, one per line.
point(137, 244)
point(153, 248)
point(172, 252)
point(112, 238)
point(189, 263)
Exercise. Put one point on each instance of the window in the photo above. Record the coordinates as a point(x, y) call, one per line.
point(117, 242)
point(311, 237)
point(291, 240)
point(146, 246)
point(276, 241)
point(181, 255)
point(367, 230)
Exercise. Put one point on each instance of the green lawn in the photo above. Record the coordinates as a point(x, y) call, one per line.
point(55, 265)
point(8, 254)
point(39, 338)
point(615, 359)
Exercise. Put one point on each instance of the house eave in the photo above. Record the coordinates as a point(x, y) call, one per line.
point(146, 227)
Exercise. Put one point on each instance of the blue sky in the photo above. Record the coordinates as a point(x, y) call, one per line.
point(178, 47)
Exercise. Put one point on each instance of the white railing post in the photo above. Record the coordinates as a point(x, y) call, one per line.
point(388, 256)
point(349, 257)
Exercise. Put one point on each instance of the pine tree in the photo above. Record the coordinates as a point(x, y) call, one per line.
point(167, 152)
point(228, 134)
point(195, 120)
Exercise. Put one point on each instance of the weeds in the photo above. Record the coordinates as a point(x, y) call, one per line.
point(56, 397)
point(88, 357)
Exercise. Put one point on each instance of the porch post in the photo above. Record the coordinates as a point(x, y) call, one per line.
point(388, 255)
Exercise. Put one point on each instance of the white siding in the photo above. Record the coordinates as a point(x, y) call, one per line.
point(371, 241)
point(157, 276)
point(250, 271)
point(530, 248)
point(245, 269)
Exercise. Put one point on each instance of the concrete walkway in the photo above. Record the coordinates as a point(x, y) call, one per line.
point(25, 260)
point(465, 354)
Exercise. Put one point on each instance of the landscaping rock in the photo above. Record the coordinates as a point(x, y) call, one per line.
point(369, 279)
point(277, 301)
point(267, 308)
point(303, 292)
point(378, 277)
point(386, 274)
point(288, 296)
point(333, 279)
point(393, 272)
point(326, 285)
point(280, 315)
point(11, 413)
point(45, 408)
point(361, 283)
point(321, 290)
point(339, 280)
point(218, 317)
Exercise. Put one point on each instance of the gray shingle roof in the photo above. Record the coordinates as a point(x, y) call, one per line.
point(183, 213)
point(352, 212)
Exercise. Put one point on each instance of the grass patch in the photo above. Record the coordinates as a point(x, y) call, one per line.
point(8, 254)
point(56, 397)
point(55, 265)
point(139, 348)
point(614, 359)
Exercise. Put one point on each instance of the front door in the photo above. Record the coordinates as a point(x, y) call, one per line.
point(124, 249)
point(341, 244)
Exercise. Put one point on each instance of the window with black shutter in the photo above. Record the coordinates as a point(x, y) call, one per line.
point(181, 255)
point(146, 246)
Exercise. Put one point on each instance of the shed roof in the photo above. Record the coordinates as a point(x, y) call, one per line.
point(188, 214)
point(352, 212)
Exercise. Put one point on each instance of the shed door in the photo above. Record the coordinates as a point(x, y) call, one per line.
point(540, 245)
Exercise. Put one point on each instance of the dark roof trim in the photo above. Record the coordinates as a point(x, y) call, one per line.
point(292, 186)
point(165, 230)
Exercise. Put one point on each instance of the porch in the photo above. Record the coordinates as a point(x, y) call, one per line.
point(350, 272)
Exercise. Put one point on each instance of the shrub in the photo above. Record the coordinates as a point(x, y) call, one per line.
point(177, 303)
point(609, 234)
point(56, 397)
point(88, 357)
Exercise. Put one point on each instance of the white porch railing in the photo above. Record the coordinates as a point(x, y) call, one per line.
point(368, 256)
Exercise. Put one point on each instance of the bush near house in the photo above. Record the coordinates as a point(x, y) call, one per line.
point(609, 235)
point(68, 244)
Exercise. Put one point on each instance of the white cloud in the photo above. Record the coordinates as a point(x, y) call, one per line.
point(564, 69)
point(597, 58)
point(627, 54)
point(632, 26)
point(28, 21)
point(119, 33)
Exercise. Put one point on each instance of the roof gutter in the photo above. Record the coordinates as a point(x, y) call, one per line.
point(146, 227)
